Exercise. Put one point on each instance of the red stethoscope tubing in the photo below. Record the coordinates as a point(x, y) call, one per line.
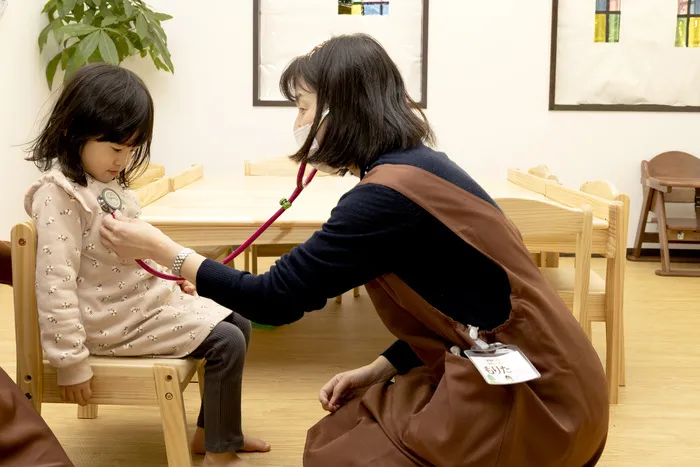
point(285, 204)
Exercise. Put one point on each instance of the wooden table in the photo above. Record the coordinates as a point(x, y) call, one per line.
point(217, 210)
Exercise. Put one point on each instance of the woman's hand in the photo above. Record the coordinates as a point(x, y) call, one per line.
point(187, 287)
point(135, 239)
point(342, 386)
point(78, 393)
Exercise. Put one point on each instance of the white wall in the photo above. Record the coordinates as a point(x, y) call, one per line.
point(488, 94)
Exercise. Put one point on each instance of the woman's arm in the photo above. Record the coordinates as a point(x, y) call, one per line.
point(367, 235)
point(59, 241)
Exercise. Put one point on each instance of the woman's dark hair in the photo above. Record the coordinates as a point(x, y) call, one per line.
point(100, 102)
point(370, 111)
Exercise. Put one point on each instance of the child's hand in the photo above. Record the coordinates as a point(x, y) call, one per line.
point(187, 287)
point(77, 393)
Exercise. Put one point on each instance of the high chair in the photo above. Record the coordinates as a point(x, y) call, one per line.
point(277, 167)
point(116, 381)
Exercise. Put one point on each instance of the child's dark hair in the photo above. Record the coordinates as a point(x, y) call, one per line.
point(370, 110)
point(100, 102)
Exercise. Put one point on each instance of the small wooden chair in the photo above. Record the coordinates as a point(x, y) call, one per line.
point(116, 381)
point(277, 167)
point(671, 177)
point(605, 295)
point(606, 190)
point(537, 219)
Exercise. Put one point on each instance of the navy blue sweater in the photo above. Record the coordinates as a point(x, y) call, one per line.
point(373, 230)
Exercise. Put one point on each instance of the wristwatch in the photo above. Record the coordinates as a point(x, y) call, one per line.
point(180, 260)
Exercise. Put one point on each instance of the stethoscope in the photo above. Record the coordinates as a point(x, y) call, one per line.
point(110, 202)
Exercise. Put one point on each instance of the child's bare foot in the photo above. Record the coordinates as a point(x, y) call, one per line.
point(251, 444)
point(197, 444)
point(224, 459)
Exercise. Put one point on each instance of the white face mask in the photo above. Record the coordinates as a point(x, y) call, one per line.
point(302, 133)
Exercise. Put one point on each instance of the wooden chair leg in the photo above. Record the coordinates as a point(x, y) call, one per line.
point(660, 211)
point(642, 225)
point(200, 380)
point(246, 259)
point(339, 299)
point(88, 412)
point(356, 292)
point(172, 413)
point(551, 260)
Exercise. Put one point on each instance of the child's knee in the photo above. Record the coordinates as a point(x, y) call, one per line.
point(234, 345)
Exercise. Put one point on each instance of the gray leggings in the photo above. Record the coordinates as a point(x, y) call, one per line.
point(220, 413)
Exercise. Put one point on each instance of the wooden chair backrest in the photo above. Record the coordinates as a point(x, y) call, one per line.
point(29, 353)
point(539, 217)
point(152, 173)
point(542, 171)
point(529, 181)
point(275, 167)
point(186, 177)
point(674, 164)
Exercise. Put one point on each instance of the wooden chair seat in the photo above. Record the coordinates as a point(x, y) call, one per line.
point(563, 280)
point(123, 381)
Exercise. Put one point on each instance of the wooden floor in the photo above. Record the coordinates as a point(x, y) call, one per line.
point(656, 423)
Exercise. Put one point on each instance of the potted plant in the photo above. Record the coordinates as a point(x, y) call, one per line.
point(103, 31)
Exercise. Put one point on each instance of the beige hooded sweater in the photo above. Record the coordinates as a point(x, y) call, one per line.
point(92, 302)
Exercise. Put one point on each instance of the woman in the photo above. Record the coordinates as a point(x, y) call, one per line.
point(355, 115)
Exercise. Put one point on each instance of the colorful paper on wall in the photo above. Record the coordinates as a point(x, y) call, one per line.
point(648, 60)
point(363, 7)
point(687, 24)
point(607, 21)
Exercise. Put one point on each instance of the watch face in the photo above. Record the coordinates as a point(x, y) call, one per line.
point(111, 198)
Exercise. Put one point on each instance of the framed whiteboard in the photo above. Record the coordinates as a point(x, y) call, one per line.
point(625, 55)
point(285, 29)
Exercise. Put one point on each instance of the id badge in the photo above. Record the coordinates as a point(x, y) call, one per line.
point(502, 365)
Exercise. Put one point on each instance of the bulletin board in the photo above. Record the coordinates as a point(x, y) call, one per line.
point(285, 29)
point(625, 55)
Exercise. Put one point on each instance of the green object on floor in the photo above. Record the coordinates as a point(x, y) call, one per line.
point(263, 326)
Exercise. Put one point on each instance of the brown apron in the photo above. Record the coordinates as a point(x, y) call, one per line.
point(444, 413)
point(25, 439)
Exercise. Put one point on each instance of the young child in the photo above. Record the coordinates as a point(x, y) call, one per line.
point(90, 302)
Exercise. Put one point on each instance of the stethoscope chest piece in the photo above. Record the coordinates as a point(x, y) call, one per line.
point(109, 200)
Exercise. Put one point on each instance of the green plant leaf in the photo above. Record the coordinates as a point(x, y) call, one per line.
point(51, 69)
point(67, 7)
point(89, 18)
point(79, 29)
point(108, 49)
point(79, 12)
point(128, 8)
point(86, 48)
point(44, 36)
point(162, 50)
point(108, 21)
point(66, 56)
point(141, 26)
point(49, 5)
point(161, 16)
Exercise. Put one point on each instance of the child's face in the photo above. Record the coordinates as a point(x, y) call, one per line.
point(104, 160)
